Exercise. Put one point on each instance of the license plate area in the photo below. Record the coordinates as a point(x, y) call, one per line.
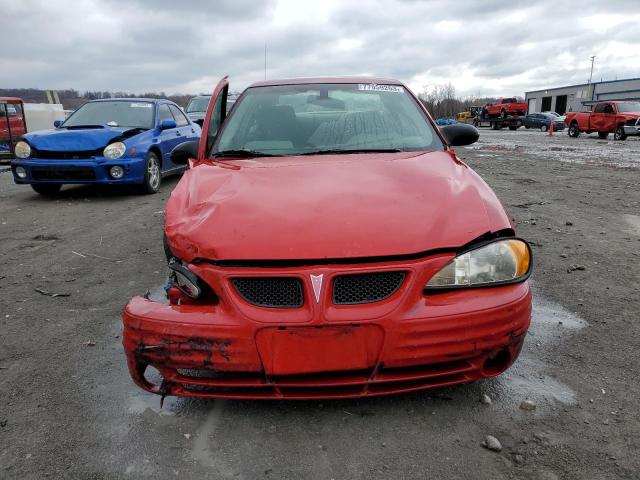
point(300, 350)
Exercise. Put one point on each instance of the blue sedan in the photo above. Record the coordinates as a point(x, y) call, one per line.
point(114, 141)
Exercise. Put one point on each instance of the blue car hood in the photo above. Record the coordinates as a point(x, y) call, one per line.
point(63, 140)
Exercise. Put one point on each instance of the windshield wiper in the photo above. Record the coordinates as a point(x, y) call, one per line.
point(241, 153)
point(355, 150)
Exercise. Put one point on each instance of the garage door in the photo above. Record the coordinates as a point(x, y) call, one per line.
point(532, 105)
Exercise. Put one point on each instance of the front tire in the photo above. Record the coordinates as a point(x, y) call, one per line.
point(619, 133)
point(544, 128)
point(47, 189)
point(152, 175)
point(574, 131)
point(603, 135)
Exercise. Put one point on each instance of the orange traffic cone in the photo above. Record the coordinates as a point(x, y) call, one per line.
point(551, 127)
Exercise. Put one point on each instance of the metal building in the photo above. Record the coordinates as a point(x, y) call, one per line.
point(578, 98)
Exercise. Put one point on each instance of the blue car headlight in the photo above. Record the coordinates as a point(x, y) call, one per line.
point(114, 150)
point(22, 150)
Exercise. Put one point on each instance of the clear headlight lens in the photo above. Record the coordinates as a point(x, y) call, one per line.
point(185, 280)
point(502, 261)
point(22, 149)
point(114, 150)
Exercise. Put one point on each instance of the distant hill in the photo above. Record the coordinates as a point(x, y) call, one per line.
point(72, 99)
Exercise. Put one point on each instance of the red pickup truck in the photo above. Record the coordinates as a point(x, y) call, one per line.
point(505, 107)
point(12, 125)
point(621, 118)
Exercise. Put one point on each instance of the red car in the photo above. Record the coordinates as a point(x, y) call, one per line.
point(620, 118)
point(327, 242)
point(12, 125)
point(505, 107)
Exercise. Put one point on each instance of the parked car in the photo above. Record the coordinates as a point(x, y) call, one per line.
point(505, 107)
point(328, 242)
point(197, 107)
point(12, 125)
point(112, 141)
point(542, 121)
point(556, 114)
point(619, 118)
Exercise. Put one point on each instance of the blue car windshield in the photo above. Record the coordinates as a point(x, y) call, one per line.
point(308, 119)
point(130, 114)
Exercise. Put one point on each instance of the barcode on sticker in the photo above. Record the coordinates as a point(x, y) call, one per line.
point(140, 105)
point(374, 87)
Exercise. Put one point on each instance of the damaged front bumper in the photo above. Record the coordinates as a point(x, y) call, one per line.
point(408, 342)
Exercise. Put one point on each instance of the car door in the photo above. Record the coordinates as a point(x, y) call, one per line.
point(609, 118)
point(216, 113)
point(186, 131)
point(5, 138)
point(535, 121)
point(169, 138)
point(596, 119)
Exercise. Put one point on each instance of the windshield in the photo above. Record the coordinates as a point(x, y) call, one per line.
point(114, 114)
point(306, 119)
point(629, 107)
point(198, 104)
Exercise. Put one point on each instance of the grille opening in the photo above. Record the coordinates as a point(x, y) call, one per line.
point(43, 173)
point(270, 292)
point(366, 287)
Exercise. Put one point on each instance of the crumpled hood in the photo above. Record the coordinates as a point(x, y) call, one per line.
point(63, 140)
point(329, 206)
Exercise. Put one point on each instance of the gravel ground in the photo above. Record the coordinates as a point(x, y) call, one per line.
point(69, 410)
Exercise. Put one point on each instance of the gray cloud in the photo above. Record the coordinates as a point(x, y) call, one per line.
point(488, 47)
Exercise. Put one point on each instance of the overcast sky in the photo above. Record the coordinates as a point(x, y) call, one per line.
point(485, 47)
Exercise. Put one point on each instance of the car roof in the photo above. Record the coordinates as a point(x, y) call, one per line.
point(312, 80)
point(152, 100)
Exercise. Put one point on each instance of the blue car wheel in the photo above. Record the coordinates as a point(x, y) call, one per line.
point(152, 174)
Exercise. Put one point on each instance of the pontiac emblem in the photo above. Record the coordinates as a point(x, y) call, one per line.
point(316, 283)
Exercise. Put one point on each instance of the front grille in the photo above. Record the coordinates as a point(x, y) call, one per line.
point(55, 173)
point(271, 292)
point(366, 287)
point(53, 155)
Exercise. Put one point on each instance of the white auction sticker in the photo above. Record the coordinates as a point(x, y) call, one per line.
point(374, 87)
point(140, 105)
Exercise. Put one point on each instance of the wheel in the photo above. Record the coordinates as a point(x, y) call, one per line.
point(619, 133)
point(152, 176)
point(48, 189)
point(503, 114)
point(544, 128)
point(574, 131)
point(527, 127)
point(513, 127)
point(603, 135)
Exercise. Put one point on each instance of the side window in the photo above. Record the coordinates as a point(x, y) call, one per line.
point(11, 110)
point(181, 120)
point(608, 108)
point(18, 108)
point(164, 113)
point(599, 108)
point(216, 116)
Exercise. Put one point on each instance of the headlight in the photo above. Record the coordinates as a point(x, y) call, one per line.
point(114, 150)
point(499, 262)
point(187, 281)
point(22, 149)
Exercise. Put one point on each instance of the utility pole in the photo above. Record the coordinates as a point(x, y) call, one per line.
point(590, 88)
point(593, 57)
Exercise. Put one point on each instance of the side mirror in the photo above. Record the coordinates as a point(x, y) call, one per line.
point(167, 124)
point(58, 123)
point(183, 152)
point(460, 134)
